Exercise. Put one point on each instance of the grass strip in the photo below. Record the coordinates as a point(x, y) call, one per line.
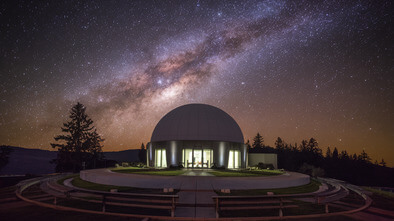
point(61, 181)
point(145, 171)
point(244, 173)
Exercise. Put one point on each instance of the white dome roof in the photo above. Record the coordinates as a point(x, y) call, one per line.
point(197, 122)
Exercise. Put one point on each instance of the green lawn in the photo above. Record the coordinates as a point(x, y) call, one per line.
point(116, 169)
point(177, 172)
point(308, 188)
point(61, 181)
point(244, 173)
point(162, 172)
point(145, 171)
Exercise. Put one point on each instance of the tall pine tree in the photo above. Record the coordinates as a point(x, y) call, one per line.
point(142, 154)
point(258, 141)
point(279, 144)
point(81, 144)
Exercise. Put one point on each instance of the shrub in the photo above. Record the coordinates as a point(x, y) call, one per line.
point(125, 164)
point(214, 166)
point(174, 167)
point(269, 166)
point(311, 170)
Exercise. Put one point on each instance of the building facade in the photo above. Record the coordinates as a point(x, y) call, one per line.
point(197, 136)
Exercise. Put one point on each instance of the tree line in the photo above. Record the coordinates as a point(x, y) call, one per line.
point(308, 157)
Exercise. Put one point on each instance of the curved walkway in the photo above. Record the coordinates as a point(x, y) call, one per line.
point(196, 186)
point(105, 176)
point(355, 209)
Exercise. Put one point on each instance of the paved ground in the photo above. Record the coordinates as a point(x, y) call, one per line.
point(195, 196)
point(196, 186)
point(105, 176)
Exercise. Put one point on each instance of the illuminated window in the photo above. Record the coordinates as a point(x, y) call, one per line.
point(208, 158)
point(234, 159)
point(160, 159)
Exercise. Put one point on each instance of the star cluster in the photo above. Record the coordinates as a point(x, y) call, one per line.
point(294, 69)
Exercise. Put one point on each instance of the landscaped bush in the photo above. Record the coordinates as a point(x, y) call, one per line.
point(125, 164)
point(214, 166)
point(268, 166)
point(179, 166)
point(137, 164)
point(311, 170)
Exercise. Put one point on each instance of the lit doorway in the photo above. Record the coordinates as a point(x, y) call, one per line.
point(197, 158)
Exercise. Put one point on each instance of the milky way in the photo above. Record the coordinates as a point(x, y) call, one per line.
point(282, 68)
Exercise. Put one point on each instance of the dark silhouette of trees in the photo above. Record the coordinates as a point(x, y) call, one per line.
point(382, 163)
point(279, 144)
point(81, 144)
point(248, 145)
point(304, 146)
point(364, 156)
point(258, 141)
point(313, 147)
point(308, 158)
point(335, 153)
point(343, 155)
point(328, 153)
point(142, 154)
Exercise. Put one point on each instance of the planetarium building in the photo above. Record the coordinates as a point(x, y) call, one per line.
point(197, 136)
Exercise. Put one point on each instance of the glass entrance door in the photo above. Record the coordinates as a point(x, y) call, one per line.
point(208, 158)
point(197, 161)
point(197, 158)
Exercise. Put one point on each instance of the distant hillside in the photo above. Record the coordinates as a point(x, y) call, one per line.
point(35, 161)
point(29, 161)
point(122, 156)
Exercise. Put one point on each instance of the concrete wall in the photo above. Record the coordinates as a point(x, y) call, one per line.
point(266, 158)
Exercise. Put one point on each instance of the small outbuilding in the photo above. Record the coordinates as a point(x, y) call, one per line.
point(197, 136)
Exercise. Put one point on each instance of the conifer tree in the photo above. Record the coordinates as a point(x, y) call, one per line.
point(258, 141)
point(382, 163)
point(335, 153)
point(248, 144)
point(328, 153)
point(364, 157)
point(81, 144)
point(279, 144)
point(142, 154)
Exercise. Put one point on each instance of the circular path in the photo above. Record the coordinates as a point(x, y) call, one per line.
point(190, 182)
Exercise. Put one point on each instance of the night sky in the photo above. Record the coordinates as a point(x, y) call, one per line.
point(294, 69)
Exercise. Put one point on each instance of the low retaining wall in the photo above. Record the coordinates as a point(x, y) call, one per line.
point(107, 177)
